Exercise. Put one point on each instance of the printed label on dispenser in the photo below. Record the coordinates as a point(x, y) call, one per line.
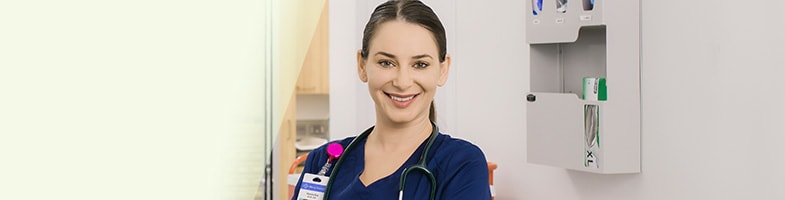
point(591, 122)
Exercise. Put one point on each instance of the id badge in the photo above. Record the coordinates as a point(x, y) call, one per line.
point(312, 187)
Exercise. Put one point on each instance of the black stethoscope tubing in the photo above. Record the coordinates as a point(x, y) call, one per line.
point(421, 164)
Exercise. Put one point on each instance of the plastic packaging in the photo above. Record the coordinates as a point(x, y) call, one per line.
point(561, 6)
point(588, 5)
point(536, 7)
point(591, 117)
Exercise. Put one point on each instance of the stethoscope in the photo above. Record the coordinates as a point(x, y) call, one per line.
point(421, 164)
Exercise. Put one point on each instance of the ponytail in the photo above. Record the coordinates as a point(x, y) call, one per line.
point(432, 113)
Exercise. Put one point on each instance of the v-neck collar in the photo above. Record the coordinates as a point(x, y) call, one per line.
point(395, 176)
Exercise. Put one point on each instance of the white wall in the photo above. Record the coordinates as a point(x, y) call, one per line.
point(157, 99)
point(344, 84)
point(711, 84)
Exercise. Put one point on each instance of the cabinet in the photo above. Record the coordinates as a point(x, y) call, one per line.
point(312, 80)
point(314, 74)
point(570, 40)
point(286, 138)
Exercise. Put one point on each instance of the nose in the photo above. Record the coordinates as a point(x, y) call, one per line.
point(403, 79)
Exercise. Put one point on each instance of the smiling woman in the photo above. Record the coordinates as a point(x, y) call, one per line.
point(403, 60)
point(403, 71)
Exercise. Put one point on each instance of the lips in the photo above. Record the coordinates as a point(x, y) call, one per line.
point(402, 100)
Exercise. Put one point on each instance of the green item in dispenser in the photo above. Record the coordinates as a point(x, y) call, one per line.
point(594, 89)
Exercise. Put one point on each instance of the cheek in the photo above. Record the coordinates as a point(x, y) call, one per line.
point(376, 78)
point(428, 80)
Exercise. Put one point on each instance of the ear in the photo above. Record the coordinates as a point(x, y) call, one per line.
point(444, 71)
point(361, 67)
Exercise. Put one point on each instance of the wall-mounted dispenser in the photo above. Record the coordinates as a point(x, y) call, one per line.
point(572, 123)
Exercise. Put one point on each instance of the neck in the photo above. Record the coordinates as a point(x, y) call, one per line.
point(396, 137)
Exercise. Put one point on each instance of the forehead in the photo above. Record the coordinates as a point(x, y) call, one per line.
point(402, 38)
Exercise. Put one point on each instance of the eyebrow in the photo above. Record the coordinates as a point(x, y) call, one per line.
point(393, 56)
point(422, 56)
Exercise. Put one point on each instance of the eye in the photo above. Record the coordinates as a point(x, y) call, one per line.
point(421, 65)
point(386, 63)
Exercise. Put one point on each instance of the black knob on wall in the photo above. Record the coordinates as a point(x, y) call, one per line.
point(531, 98)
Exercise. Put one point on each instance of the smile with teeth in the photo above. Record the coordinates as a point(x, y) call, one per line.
point(401, 99)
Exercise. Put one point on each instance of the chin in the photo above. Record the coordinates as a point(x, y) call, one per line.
point(401, 118)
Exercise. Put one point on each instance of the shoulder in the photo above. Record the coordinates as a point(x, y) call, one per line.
point(456, 147)
point(318, 156)
point(321, 151)
point(460, 169)
point(452, 153)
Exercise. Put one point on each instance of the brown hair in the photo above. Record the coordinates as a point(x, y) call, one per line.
point(412, 11)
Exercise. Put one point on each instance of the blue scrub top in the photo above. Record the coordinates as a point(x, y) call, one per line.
point(459, 167)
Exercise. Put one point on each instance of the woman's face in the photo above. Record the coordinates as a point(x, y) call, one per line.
point(402, 71)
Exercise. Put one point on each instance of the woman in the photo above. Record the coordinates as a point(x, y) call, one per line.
point(403, 60)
